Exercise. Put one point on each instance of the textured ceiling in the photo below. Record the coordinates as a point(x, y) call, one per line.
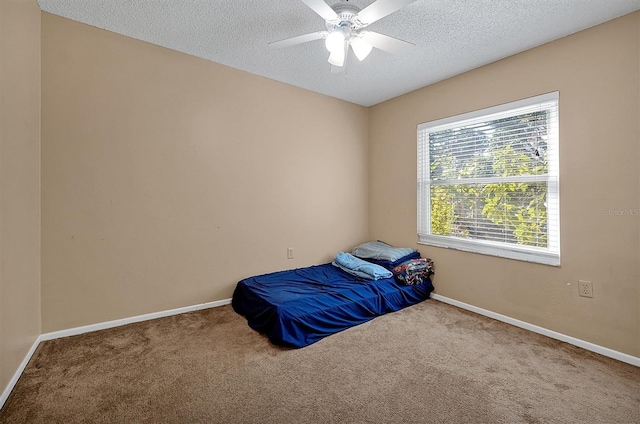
point(451, 36)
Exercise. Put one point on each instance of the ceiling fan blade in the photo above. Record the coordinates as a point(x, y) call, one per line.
point(298, 40)
point(379, 9)
point(322, 9)
point(388, 44)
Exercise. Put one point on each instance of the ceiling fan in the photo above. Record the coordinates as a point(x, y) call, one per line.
point(345, 25)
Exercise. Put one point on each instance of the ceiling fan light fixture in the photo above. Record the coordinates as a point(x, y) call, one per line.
point(336, 58)
point(360, 48)
point(334, 42)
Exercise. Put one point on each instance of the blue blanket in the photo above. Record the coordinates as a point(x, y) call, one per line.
point(298, 307)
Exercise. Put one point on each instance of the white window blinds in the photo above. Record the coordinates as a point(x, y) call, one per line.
point(488, 181)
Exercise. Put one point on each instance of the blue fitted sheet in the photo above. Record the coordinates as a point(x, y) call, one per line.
point(298, 307)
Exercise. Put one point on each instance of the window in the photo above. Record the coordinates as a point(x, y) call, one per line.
point(488, 181)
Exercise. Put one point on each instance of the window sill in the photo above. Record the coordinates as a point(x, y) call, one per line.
point(528, 254)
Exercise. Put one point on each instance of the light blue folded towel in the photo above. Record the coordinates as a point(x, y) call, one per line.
point(360, 268)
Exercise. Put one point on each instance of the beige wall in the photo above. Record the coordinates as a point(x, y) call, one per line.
point(597, 74)
point(19, 182)
point(167, 178)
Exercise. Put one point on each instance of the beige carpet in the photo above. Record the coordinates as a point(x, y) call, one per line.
point(430, 363)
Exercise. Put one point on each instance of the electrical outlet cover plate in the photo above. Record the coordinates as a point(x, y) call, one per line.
point(585, 288)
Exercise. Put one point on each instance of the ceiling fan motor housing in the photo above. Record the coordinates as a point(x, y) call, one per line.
point(347, 18)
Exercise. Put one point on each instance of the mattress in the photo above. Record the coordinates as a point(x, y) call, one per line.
point(298, 307)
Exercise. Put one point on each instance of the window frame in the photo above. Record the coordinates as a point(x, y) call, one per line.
point(549, 255)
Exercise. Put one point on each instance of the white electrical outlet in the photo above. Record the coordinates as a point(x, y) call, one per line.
point(289, 252)
point(585, 288)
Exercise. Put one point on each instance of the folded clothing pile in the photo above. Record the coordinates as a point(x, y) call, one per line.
point(413, 271)
point(405, 263)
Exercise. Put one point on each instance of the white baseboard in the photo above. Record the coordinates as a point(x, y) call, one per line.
point(100, 326)
point(18, 373)
point(623, 357)
point(124, 321)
